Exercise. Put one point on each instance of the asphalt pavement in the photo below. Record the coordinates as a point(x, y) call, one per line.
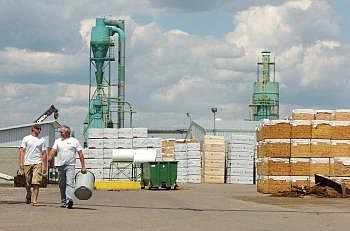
point(192, 207)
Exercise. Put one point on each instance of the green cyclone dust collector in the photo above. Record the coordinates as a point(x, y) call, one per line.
point(265, 101)
point(103, 103)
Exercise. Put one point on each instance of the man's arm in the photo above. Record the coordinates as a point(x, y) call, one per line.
point(21, 158)
point(51, 154)
point(82, 161)
point(44, 161)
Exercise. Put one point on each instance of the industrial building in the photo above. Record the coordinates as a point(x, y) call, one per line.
point(10, 141)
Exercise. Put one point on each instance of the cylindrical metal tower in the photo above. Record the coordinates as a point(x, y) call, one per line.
point(265, 101)
point(102, 104)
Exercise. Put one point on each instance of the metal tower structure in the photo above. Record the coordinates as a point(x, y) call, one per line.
point(106, 94)
point(265, 101)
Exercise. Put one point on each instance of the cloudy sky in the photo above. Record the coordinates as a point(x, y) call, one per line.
point(181, 56)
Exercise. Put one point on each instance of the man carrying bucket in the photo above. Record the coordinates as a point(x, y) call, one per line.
point(66, 148)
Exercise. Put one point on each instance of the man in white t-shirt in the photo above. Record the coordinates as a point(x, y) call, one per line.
point(33, 163)
point(66, 148)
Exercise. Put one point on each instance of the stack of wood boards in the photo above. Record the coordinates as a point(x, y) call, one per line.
point(317, 143)
point(214, 159)
point(188, 155)
point(101, 143)
point(240, 159)
point(168, 149)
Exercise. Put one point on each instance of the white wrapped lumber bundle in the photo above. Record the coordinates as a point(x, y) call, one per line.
point(242, 139)
point(125, 133)
point(139, 132)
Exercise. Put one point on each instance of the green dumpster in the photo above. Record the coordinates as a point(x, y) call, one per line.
point(159, 174)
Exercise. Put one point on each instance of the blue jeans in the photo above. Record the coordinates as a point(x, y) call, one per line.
point(66, 177)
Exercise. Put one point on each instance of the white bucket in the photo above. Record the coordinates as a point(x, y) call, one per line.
point(84, 185)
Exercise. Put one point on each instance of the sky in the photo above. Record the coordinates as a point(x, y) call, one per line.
point(182, 56)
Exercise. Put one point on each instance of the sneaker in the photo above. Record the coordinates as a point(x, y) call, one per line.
point(63, 205)
point(70, 204)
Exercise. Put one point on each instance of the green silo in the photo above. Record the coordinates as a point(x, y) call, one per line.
point(265, 101)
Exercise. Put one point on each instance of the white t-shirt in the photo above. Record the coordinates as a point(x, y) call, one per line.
point(66, 151)
point(33, 147)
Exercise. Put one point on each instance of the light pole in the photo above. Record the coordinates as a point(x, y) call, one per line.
point(214, 110)
point(189, 117)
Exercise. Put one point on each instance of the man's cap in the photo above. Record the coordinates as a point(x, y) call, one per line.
point(37, 126)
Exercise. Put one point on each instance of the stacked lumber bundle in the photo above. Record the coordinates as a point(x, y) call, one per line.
point(291, 152)
point(187, 153)
point(240, 159)
point(101, 143)
point(214, 159)
point(168, 149)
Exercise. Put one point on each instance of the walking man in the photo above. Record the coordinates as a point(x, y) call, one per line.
point(33, 163)
point(66, 149)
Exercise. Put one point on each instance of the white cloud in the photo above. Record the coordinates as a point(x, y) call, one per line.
point(277, 27)
point(14, 61)
point(176, 92)
point(320, 61)
point(23, 103)
point(85, 31)
point(72, 93)
point(170, 71)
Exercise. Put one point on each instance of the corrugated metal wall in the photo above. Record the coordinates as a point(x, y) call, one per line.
point(12, 136)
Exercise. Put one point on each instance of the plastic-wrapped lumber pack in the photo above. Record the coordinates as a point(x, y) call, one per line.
point(240, 159)
point(102, 141)
point(213, 159)
point(188, 155)
point(319, 143)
